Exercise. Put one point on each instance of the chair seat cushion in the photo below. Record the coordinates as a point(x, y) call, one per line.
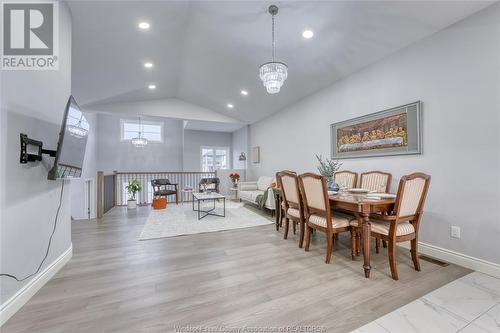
point(164, 192)
point(338, 220)
point(293, 212)
point(404, 228)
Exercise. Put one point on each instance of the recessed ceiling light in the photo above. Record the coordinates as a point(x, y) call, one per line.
point(308, 34)
point(144, 25)
point(148, 64)
point(230, 106)
point(152, 86)
point(244, 92)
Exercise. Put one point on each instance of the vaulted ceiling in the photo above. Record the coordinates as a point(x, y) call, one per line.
point(205, 52)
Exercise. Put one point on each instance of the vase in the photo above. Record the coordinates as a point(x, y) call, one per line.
point(131, 204)
point(332, 186)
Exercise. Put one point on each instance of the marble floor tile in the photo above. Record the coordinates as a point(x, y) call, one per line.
point(487, 323)
point(485, 282)
point(421, 316)
point(372, 327)
point(468, 297)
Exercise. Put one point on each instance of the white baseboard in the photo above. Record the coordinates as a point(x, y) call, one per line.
point(457, 258)
point(13, 304)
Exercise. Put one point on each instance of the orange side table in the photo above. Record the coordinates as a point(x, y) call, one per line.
point(159, 203)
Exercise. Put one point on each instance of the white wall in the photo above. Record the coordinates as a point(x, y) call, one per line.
point(240, 144)
point(194, 140)
point(32, 102)
point(114, 154)
point(456, 74)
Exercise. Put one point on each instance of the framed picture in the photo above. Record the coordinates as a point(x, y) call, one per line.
point(256, 154)
point(397, 131)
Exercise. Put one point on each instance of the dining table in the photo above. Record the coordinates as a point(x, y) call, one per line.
point(361, 206)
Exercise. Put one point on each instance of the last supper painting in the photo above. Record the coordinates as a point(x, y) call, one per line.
point(390, 132)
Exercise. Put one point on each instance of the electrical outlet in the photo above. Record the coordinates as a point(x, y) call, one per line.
point(455, 231)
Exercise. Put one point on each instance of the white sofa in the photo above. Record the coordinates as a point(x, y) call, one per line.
point(248, 191)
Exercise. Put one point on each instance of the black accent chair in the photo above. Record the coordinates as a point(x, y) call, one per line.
point(210, 184)
point(162, 188)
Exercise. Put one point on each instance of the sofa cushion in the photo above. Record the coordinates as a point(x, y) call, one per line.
point(250, 195)
point(264, 182)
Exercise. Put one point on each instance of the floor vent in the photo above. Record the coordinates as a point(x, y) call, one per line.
point(434, 261)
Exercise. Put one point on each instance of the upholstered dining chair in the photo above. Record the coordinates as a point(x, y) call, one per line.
point(346, 178)
point(318, 213)
point(292, 202)
point(376, 181)
point(403, 224)
point(281, 202)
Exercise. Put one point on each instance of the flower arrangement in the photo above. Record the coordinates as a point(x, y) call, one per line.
point(327, 167)
point(234, 178)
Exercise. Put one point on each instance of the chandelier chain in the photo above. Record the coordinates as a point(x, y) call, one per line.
point(273, 39)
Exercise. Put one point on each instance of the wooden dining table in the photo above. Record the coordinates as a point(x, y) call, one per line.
point(361, 207)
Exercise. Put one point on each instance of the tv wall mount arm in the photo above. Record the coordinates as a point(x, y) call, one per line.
point(25, 157)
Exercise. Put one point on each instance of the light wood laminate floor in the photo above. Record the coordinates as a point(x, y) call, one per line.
point(246, 277)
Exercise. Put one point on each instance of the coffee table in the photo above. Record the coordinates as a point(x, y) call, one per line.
point(209, 196)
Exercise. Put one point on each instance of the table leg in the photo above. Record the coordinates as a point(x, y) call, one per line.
point(366, 230)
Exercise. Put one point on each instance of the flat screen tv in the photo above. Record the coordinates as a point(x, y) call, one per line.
point(72, 143)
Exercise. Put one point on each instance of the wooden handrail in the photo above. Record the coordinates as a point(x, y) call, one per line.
point(157, 172)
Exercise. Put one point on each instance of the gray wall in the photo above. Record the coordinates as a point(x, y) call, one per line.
point(32, 102)
point(113, 154)
point(456, 73)
point(240, 144)
point(194, 140)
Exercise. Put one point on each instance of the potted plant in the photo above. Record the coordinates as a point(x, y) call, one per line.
point(327, 168)
point(234, 178)
point(132, 189)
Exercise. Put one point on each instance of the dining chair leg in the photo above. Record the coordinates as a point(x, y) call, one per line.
point(358, 242)
point(353, 244)
point(301, 240)
point(384, 244)
point(414, 254)
point(287, 222)
point(336, 236)
point(377, 245)
point(308, 237)
point(392, 259)
point(294, 227)
point(329, 248)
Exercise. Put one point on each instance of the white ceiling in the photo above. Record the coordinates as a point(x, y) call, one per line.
point(205, 52)
point(214, 126)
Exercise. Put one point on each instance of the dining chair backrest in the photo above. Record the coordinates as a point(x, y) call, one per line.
point(315, 195)
point(376, 181)
point(411, 194)
point(289, 184)
point(346, 178)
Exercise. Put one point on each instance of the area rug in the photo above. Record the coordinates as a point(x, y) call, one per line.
point(177, 220)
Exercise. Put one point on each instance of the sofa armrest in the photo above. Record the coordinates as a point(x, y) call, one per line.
point(247, 186)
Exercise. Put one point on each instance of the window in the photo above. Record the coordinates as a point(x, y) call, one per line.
point(151, 130)
point(214, 158)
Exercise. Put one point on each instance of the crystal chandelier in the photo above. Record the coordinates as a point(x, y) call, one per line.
point(139, 141)
point(273, 74)
point(78, 131)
